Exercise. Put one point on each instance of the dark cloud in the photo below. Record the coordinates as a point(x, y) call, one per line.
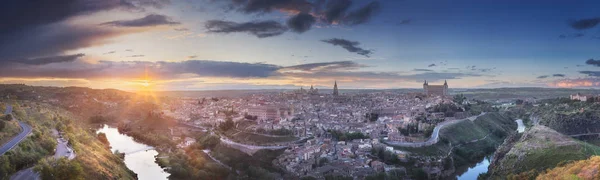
point(558, 75)
point(593, 62)
point(149, 20)
point(335, 10)
point(582, 24)
point(53, 40)
point(351, 46)
point(425, 70)
point(265, 6)
point(431, 65)
point(133, 69)
point(52, 59)
point(363, 14)
point(260, 29)
point(574, 35)
point(591, 73)
point(326, 66)
point(33, 29)
point(110, 52)
point(137, 55)
point(301, 22)
point(37, 13)
point(129, 50)
point(542, 77)
point(192, 57)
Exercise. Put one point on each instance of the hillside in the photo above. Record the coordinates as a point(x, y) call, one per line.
point(93, 161)
point(468, 142)
point(584, 169)
point(538, 149)
point(8, 129)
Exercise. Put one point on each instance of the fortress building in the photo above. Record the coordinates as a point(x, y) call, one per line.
point(435, 90)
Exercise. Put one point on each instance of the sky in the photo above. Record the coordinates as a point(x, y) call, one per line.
point(288, 44)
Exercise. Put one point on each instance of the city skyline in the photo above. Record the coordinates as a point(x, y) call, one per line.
point(288, 44)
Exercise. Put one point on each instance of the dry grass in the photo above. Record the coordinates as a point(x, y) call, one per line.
point(584, 169)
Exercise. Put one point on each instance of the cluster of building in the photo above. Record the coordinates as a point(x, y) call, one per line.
point(309, 113)
point(324, 156)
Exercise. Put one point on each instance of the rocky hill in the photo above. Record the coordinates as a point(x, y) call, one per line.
point(537, 149)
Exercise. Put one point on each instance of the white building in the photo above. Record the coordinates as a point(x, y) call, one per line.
point(579, 97)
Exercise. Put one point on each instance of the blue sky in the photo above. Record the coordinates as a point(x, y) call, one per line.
point(194, 45)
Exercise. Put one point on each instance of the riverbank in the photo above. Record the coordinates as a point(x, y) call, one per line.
point(139, 157)
point(462, 145)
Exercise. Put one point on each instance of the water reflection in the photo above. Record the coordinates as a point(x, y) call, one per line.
point(473, 172)
point(137, 158)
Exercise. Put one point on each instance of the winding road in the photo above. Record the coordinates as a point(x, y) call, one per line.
point(435, 136)
point(26, 129)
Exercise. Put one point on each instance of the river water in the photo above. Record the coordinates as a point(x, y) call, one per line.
point(137, 156)
point(474, 171)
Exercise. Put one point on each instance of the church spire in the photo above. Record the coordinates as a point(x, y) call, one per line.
point(335, 89)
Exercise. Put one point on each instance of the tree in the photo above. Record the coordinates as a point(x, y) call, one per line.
point(8, 117)
point(2, 125)
point(62, 168)
point(323, 161)
point(459, 99)
point(519, 102)
point(372, 116)
point(227, 125)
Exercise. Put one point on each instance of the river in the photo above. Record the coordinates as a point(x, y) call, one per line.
point(139, 157)
point(474, 171)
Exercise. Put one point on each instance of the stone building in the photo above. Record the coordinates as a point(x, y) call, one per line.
point(435, 90)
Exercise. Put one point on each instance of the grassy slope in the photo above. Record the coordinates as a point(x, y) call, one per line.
point(257, 138)
point(493, 125)
point(541, 148)
point(12, 129)
point(584, 169)
point(96, 161)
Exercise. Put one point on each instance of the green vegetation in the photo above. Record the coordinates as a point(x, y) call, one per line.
point(62, 168)
point(277, 132)
point(569, 117)
point(538, 149)
point(227, 125)
point(459, 98)
point(8, 129)
point(258, 139)
point(257, 166)
point(337, 177)
point(208, 141)
point(466, 142)
point(347, 136)
point(390, 175)
point(447, 108)
point(191, 163)
point(95, 160)
point(387, 157)
point(584, 169)
point(372, 117)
